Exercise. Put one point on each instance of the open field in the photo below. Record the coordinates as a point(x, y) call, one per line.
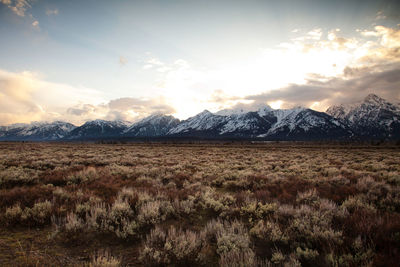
point(164, 204)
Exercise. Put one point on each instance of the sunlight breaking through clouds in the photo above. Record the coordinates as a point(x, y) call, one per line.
point(189, 61)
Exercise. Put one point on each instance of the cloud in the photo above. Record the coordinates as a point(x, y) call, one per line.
point(333, 70)
point(141, 107)
point(26, 97)
point(19, 7)
point(162, 67)
point(155, 61)
point(315, 70)
point(16, 102)
point(388, 37)
point(51, 12)
point(380, 16)
point(123, 61)
point(82, 109)
point(315, 34)
point(35, 24)
point(311, 64)
point(126, 108)
point(383, 80)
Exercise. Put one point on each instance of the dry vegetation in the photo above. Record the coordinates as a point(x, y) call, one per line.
point(199, 205)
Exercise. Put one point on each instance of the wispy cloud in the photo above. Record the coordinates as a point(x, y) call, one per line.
point(123, 61)
point(26, 97)
point(35, 25)
point(19, 7)
point(380, 15)
point(126, 108)
point(51, 12)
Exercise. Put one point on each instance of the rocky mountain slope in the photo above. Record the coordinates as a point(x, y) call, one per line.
point(154, 125)
point(97, 129)
point(36, 131)
point(374, 117)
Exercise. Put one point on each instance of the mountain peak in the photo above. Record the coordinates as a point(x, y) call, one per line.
point(244, 108)
point(372, 98)
point(262, 111)
point(204, 113)
point(373, 118)
point(154, 125)
point(96, 121)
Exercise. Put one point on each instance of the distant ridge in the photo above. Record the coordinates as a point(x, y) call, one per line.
point(372, 118)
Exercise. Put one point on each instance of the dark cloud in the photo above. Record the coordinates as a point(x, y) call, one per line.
point(355, 84)
point(126, 108)
point(81, 110)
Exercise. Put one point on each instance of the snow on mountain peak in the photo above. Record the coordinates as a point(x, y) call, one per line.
point(372, 117)
point(374, 99)
point(242, 109)
point(204, 113)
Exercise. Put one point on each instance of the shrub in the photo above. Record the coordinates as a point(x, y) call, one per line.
point(87, 175)
point(97, 216)
point(229, 236)
point(104, 259)
point(236, 258)
point(268, 231)
point(61, 194)
point(185, 207)
point(254, 210)
point(313, 228)
point(73, 224)
point(41, 212)
point(309, 197)
point(307, 254)
point(153, 212)
point(14, 176)
point(277, 257)
point(176, 247)
point(13, 214)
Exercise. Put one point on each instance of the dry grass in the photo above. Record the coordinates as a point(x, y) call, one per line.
point(163, 204)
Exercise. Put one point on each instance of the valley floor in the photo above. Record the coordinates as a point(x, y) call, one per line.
point(204, 204)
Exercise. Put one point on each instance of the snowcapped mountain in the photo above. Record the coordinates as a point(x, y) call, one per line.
point(154, 125)
point(203, 124)
point(305, 124)
point(298, 123)
point(36, 131)
point(374, 117)
point(371, 118)
point(98, 129)
point(242, 109)
point(247, 124)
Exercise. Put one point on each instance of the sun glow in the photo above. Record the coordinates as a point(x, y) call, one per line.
point(189, 89)
point(275, 104)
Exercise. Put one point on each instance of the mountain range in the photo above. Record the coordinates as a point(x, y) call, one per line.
point(372, 118)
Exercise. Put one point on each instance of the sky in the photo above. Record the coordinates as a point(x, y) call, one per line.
point(80, 60)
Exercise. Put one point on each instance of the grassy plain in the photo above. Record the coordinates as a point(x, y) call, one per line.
point(276, 204)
